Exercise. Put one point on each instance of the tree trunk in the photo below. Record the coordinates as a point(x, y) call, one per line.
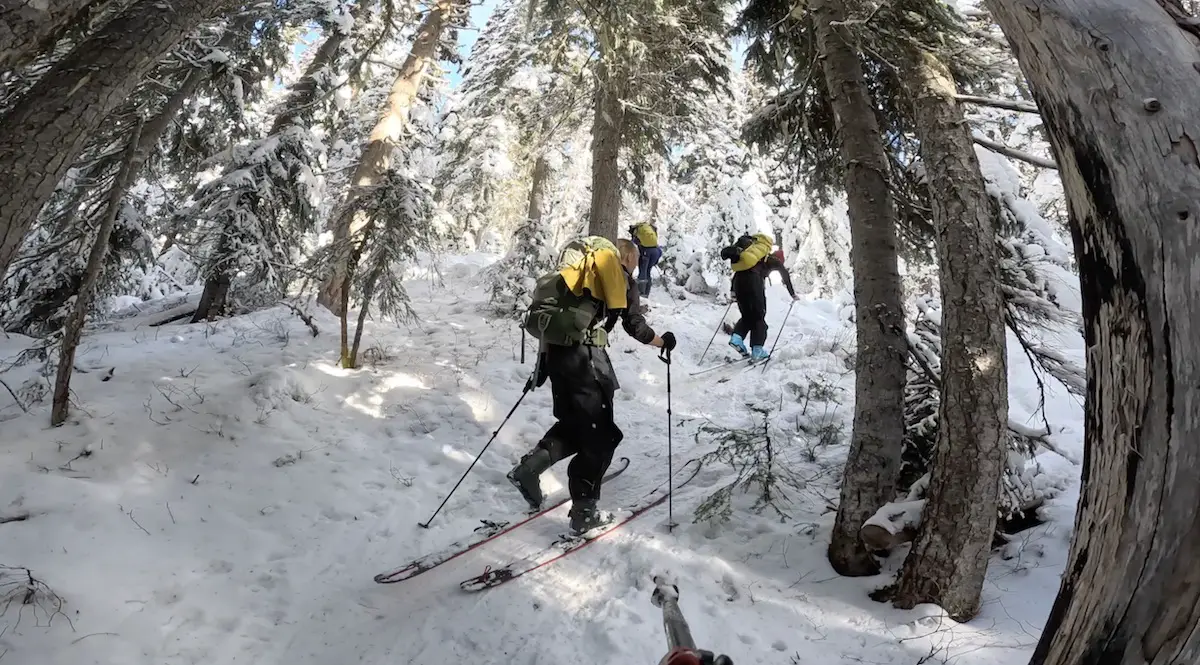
point(1117, 86)
point(27, 29)
point(949, 557)
point(83, 300)
point(51, 124)
point(368, 293)
point(301, 96)
point(377, 154)
point(869, 479)
point(607, 128)
point(537, 190)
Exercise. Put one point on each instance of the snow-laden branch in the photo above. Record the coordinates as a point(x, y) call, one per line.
point(1006, 104)
point(1015, 154)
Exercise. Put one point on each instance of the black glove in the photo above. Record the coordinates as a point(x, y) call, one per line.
point(668, 340)
point(730, 253)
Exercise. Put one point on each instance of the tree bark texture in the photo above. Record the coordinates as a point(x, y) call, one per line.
point(537, 190)
point(302, 95)
point(869, 478)
point(83, 300)
point(29, 28)
point(381, 143)
point(948, 560)
point(1118, 87)
point(50, 125)
point(607, 132)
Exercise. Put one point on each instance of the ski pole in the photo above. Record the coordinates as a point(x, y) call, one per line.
point(714, 336)
point(665, 356)
point(528, 387)
point(681, 648)
point(778, 335)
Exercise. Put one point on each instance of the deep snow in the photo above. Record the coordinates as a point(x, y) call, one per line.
point(228, 494)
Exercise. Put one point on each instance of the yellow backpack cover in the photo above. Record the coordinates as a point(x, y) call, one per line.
point(756, 252)
point(646, 235)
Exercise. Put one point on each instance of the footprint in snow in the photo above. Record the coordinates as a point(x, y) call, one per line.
point(729, 588)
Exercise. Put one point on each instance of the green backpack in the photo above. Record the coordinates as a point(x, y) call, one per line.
point(558, 316)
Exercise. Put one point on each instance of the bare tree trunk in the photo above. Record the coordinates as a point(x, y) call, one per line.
point(51, 124)
point(29, 28)
point(301, 96)
point(348, 356)
point(537, 190)
point(377, 154)
point(607, 129)
point(368, 294)
point(948, 560)
point(83, 300)
point(1117, 85)
point(869, 479)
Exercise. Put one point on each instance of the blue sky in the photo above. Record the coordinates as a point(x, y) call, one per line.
point(466, 38)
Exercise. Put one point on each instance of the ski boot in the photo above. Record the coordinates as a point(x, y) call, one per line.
point(585, 517)
point(526, 476)
point(738, 345)
point(758, 354)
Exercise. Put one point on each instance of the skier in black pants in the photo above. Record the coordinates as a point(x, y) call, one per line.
point(582, 383)
point(750, 291)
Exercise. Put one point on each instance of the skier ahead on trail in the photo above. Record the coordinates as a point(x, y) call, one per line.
point(645, 236)
point(752, 261)
point(572, 313)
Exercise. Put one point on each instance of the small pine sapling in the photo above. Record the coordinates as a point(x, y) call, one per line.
point(754, 455)
point(396, 213)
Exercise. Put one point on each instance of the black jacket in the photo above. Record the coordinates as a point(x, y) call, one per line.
point(770, 263)
point(631, 317)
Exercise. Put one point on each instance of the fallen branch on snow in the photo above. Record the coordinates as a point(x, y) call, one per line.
point(306, 318)
point(892, 525)
point(18, 585)
point(14, 396)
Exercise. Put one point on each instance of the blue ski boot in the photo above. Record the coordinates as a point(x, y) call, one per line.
point(738, 344)
point(758, 354)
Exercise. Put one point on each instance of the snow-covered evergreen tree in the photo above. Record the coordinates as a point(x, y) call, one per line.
point(224, 64)
point(251, 220)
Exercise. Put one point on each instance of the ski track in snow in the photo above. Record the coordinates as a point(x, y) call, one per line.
point(241, 491)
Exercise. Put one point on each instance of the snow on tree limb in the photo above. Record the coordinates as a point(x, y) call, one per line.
point(1014, 153)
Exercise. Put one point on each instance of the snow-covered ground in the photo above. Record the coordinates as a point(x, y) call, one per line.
point(224, 494)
